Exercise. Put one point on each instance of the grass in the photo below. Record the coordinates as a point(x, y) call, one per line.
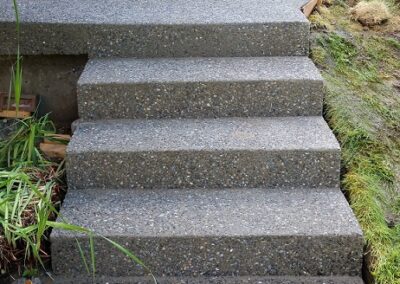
point(362, 105)
point(31, 189)
point(28, 196)
point(16, 74)
point(20, 148)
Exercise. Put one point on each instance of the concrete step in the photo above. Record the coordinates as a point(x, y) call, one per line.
point(206, 233)
point(225, 152)
point(213, 280)
point(157, 28)
point(199, 87)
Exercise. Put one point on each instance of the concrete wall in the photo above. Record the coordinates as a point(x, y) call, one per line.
point(53, 78)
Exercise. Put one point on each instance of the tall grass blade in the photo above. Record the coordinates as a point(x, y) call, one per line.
point(130, 255)
point(83, 257)
point(17, 72)
point(92, 256)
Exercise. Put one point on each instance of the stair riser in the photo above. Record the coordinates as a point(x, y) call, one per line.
point(201, 99)
point(213, 280)
point(160, 40)
point(203, 169)
point(218, 256)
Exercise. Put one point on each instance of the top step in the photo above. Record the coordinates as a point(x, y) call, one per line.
point(157, 28)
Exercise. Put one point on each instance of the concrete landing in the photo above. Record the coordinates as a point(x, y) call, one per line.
point(155, 28)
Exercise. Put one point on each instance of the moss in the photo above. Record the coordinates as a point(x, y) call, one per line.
point(318, 54)
point(340, 49)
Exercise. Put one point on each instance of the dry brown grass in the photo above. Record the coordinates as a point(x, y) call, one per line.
point(370, 13)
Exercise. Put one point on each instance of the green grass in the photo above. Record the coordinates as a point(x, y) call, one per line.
point(16, 74)
point(20, 148)
point(30, 189)
point(363, 108)
point(30, 192)
point(26, 204)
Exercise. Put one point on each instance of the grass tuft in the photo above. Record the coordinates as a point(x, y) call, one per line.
point(371, 13)
point(31, 189)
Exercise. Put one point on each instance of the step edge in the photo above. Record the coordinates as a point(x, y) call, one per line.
point(175, 82)
point(343, 279)
point(335, 149)
point(303, 60)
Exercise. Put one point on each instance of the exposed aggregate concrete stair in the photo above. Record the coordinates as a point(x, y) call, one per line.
point(199, 87)
point(157, 28)
point(214, 232)
point(202, 146)
point(204, 153)
point(218, 280)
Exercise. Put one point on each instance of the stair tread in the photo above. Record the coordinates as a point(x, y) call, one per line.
point(155, 11)
point(136, 71)
point(211, 212)
point(268, 134)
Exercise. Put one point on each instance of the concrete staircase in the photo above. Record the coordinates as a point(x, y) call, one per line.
point(202, 147)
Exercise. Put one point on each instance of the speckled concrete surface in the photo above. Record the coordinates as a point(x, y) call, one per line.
point(230, 152)
point(154, 11)
point(214, 280)
point(141, 71)
point(258, 133)
point(157, 28)
point(192, 232)
point(199, 87)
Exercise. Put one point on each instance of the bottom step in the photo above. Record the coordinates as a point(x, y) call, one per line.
point(222, 232)
point(215, 280)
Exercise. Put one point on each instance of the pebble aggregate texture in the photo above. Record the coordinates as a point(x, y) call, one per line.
point(191, 232)
point(201, 148)
point(199, 87)
point(225, 152)
point(216, 280)
point(156, 28)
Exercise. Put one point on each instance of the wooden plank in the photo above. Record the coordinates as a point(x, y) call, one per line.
point(53, 150)
point(59, 138)
point(14, 114)
point(27, 102)
point(309, 7)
